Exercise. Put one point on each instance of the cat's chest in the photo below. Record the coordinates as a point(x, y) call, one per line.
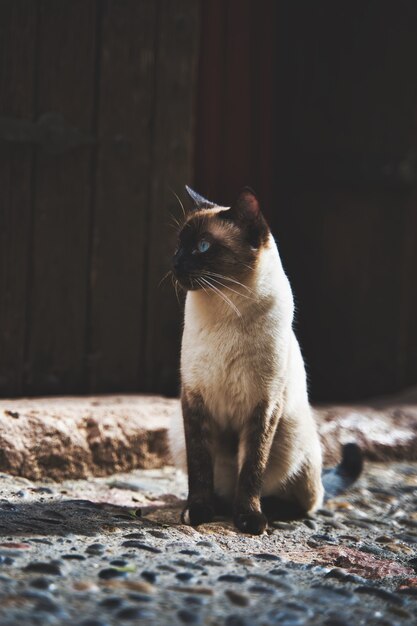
point(225, 366)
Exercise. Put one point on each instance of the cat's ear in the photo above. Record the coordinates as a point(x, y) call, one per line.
point(246, 206)
point(199, 201)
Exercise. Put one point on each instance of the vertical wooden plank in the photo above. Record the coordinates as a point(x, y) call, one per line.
point(177, 53)
point(17, 54)
point(210, 98)
point(345, 134)
point(234, 131)
point(66, 68)
point(127, 77)
point(235, 154)
point(264, 96)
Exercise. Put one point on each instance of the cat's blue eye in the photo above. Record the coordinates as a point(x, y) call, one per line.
point(203, 245)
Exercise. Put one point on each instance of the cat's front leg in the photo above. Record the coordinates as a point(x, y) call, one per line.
point(254, 448)
point(199, 459)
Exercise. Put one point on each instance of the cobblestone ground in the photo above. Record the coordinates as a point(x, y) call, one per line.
point(111, 551)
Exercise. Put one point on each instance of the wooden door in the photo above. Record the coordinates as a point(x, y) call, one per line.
point(345, 211)
point(96, 119)
point(314, 104)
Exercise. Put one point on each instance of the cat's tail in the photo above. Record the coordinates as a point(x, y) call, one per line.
point(338, 479)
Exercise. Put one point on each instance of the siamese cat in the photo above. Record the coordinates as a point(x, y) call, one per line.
point(247, 434)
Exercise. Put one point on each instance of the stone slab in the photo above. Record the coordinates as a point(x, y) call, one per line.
point(77, 437)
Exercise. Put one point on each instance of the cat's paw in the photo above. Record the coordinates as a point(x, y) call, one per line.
point(253, 522)
point(200, 513)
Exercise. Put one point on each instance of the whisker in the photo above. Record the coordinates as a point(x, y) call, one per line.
point(248, 266)
point(175, 220)
point(164, 277)
point(175, 285)
point(233, 280)
point(222, 296)
point(230, 289)
point(179, 200)
point(200, 284)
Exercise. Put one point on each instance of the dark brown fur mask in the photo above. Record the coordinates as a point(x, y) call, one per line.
point(215, 243)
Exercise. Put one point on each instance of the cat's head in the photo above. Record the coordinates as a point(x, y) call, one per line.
point(216, 242)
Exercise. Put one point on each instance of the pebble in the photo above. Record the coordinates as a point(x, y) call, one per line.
point(188, 617)
point(273, 582)
point(93, 622)
point(184, 576)
point(141, 546)
point(95, 548)
point(284, 526)
point(41, 583)
point(204, 591)
point(188, 564)
point(383, 539)
point(266, 556)
point(195, 600)
point(278, 571)
point(237, 598)
point(6, 560)
point(139, 597)
point(381, 593)
point(43, 490)
point(149, 576)
point(159, 534)
point(325, 513)
point(372, 549)
point(260, 589)
point(166, 568)
point(243, 560)
point(111, 572)
point(44, 568)
point(119, 562)
point(132, 612)
point(310, 524)
point(231, 578)
point(323, 538)
point(73, 557)
point(211, 563)
point(85, 585)
point(113, 602)
point(326, 594)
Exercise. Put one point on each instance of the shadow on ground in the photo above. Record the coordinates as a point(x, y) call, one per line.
point(68, 517)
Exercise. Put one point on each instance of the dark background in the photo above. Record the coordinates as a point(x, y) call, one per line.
point(108, 106)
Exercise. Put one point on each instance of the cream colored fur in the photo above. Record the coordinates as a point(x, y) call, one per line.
point(236, 360)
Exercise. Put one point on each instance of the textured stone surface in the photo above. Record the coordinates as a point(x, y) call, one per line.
point(112, 550)
point(76, 437)
point(384, 433)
